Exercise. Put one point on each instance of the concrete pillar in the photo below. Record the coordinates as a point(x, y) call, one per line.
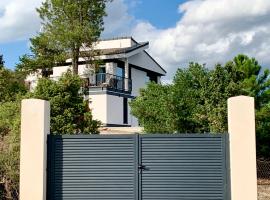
point(35, 126)
point(111, 68)
point(126, 74)
point(241, 125)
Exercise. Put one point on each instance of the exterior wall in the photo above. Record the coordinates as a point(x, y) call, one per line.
point(139, 79)
point(98, 105)
point(133, 121)
point(143, 60)
point(158, 80)
point(117, 43)
point(107, 108)
point(114, 110)
point(58, 71)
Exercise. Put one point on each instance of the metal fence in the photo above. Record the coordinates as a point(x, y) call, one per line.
point(263, 175)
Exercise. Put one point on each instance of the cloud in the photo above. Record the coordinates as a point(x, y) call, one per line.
point(210, 31)
point(118, 21)
point(18, 19)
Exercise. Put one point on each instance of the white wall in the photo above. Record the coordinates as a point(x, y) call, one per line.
point(139, 79)
point(143, 60)
point(115, 109)
point(133, 121)
point(98, 105)
point(58, 71)
point(117, 43)
point(107, 108)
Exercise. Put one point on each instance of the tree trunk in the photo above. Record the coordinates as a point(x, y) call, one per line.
point(75, 61)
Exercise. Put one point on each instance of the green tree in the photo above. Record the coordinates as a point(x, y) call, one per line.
point(254, 81)
point(152, 109)
point(45, 55)
point(69, 27)
point(196, 102)
point(11, 83)
point(70, 114)
point(2, 62)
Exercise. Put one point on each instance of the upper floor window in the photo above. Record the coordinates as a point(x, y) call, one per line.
point(120, 71)
point(102, 69)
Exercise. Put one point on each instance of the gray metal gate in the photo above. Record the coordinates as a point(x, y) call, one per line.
point(138, 167)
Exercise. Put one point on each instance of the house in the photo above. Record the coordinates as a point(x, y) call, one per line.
point(126, 67)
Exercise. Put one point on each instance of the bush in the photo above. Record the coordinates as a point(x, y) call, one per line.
point(70, 114)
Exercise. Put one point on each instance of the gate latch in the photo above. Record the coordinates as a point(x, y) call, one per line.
point(143, 168)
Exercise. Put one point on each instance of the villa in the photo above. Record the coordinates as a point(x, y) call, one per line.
point(126, 67)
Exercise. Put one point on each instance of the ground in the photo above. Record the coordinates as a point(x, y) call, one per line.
point(263, 192)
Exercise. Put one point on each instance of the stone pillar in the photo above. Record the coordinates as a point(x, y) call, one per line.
point(35, 126)
point(241, 125)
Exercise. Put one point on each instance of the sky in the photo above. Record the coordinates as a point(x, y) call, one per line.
point(179, 31)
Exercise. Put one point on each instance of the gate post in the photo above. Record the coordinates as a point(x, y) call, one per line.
point(242, 134)
point(35, 126)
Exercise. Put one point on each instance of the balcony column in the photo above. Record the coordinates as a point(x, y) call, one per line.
point(111, 68)
point(126, 74)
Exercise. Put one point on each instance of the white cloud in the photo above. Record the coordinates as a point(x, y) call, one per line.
point(18, 19)
point(211, 31)
point(118, 22)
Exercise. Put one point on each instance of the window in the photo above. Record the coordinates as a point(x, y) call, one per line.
point(120, 72)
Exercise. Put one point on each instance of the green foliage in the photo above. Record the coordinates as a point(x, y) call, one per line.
point(155, 115)
point(70, 114)
point(196, 101)
point(45, 55)
point(11, 84)
point(68, 27)
point(2, 62)
point(9, 148)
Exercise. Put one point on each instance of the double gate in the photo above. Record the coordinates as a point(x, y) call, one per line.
point(137, 167)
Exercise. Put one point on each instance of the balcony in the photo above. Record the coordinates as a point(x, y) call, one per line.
point(110, 82)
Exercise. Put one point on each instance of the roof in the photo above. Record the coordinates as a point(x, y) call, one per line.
point(118, 38)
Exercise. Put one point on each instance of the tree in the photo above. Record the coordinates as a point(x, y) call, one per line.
point(151, 108)
point(196, 101)
point(70, 114)
point(2, 62)
point(45, 55)
point(11, 83)
point(68, 27)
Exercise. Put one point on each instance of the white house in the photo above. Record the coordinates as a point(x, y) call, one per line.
point(126, 68)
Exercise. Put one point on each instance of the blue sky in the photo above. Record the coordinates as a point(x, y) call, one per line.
point(204, 31)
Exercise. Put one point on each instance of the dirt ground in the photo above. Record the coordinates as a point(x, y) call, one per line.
point(263, 192)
